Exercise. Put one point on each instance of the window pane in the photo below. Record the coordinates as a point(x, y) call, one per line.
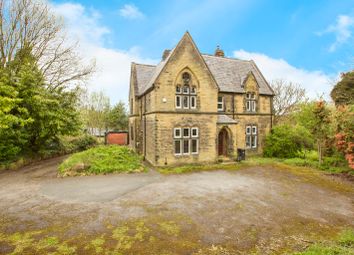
point(254, 130)
point(186, 132)
point(248, 106)
point(193, 90)
point(186, 102)
point(185, 89)
point(220, 103)
point(178, 101)
point(178, 89)
point(254, 141)
point(177, 147)
point(185, 146)
point(248, 141)
point(193, 102)
point(194, 148)
point(194, 132)
point(253, 106)
point(177, 133)
point(248, 95)
point(248, 130)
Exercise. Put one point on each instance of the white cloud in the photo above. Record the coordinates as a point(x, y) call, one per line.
point(113, 65)
point(130, 11)
point(342, 30)
point(316, 83)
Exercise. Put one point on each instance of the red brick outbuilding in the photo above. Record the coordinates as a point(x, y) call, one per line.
point(117, 137)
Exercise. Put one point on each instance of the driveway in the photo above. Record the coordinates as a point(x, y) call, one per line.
point(259, 209)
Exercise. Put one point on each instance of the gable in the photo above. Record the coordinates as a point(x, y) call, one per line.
point(227, 73)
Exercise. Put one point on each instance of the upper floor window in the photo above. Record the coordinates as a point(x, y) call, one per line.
point(251, 136)
point(220, 104)
point(251, 102)
point(186, 94)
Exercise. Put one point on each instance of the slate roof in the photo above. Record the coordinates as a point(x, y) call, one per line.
point(229, 74)
point(224, 119)
point(144, 74)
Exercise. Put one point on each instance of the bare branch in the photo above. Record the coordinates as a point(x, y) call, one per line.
point(31, 22)
point(287, 96)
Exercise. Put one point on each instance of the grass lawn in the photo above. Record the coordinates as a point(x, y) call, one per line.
point(331, 165)
point(102, 160)
point(342, 245)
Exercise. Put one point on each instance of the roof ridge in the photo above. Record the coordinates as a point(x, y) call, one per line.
point(144, 64)
point(227, 58)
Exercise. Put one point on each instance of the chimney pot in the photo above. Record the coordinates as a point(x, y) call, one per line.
point(219, 52)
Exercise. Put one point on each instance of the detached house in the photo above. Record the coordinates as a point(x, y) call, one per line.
point(195, 107)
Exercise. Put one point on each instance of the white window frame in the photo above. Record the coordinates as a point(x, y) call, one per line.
point(180, 133)
point(251, 104)
point(195, 102)
point(197, 135)
point(255, 141)
point(195, 90)
point(221, 103)
point(189, 133)
point(251, 135)
point(191, 146)
point(180, 102)
point(180, 89)
point(185, 107)
point(254, 130)
point(187, 92)
point(180, 146)
point(250, 130)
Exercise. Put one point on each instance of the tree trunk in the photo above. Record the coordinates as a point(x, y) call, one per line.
point(319, 149)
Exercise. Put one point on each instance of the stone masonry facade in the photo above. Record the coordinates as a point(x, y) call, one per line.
point(196, 108)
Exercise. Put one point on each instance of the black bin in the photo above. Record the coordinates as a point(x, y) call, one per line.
point(241, 154)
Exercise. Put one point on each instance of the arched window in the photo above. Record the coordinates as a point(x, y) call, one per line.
point(186, 94)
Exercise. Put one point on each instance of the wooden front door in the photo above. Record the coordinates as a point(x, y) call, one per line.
point(222, 142)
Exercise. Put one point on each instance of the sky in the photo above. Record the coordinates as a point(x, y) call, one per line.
point(306, 42)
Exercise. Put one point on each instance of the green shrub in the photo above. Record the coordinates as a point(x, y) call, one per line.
point(84, 142)
point(285, 141)
point(102, 159)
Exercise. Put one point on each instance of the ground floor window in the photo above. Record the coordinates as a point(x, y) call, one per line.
point(186, 140)
point(251, 136)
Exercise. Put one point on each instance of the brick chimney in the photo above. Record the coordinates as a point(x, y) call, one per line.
point(165, 54)
point(219, 52)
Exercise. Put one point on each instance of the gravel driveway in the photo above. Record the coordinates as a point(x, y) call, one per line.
point(259, 209)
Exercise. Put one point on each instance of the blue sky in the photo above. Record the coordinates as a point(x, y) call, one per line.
point(306, 42)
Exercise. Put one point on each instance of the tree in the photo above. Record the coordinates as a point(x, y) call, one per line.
point(321, 127)
point(118, 117)
point(12, 118)
point(288, 95)
point(95, 111)
point(30, 23)
point(343, 91)
point(344, 122)
point(38, 115)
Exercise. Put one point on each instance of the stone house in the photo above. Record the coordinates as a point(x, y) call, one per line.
point(193, 107)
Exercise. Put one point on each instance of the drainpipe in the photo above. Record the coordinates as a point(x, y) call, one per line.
point(144, 126)
point(271, 113)
point(233, 106)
